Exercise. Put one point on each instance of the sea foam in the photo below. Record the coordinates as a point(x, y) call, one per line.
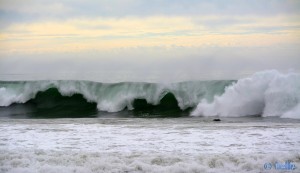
point(146, 145)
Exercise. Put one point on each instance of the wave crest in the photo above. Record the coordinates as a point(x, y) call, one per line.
point(115, 97)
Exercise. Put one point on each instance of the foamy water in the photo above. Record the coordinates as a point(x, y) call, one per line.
point(147, 145)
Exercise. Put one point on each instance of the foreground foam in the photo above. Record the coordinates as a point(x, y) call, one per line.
point(267, 93)
point(145, 145)
point(94, 162)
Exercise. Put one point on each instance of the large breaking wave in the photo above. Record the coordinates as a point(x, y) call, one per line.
point(115, 97)
point(267, 93)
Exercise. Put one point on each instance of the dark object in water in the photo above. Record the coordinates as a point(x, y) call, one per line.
point(217, 119)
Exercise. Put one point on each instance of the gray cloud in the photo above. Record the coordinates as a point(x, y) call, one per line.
point(19, 10)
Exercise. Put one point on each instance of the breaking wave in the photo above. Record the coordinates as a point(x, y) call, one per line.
point(267, 93)
point(84, 97)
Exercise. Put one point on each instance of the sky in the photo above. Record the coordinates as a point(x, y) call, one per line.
point(143, 40)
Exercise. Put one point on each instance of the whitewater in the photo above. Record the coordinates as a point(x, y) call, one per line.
point(267, 93)
point(147, 145)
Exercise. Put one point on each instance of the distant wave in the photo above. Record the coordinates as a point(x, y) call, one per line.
point(267, 93)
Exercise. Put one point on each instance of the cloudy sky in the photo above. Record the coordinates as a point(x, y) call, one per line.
point(148, 40)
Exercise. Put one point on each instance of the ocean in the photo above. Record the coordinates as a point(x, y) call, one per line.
point(246, 125)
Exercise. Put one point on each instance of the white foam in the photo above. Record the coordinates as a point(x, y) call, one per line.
point(144, 145)
point(93, 162)
point(267, 93)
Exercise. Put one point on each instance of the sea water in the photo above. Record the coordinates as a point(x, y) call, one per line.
point(246, 125)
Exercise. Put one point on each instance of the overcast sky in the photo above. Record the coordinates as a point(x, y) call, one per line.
point(148, 40)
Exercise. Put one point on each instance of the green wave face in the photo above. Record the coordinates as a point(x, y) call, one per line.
point(52, 104)
point(77, 99)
